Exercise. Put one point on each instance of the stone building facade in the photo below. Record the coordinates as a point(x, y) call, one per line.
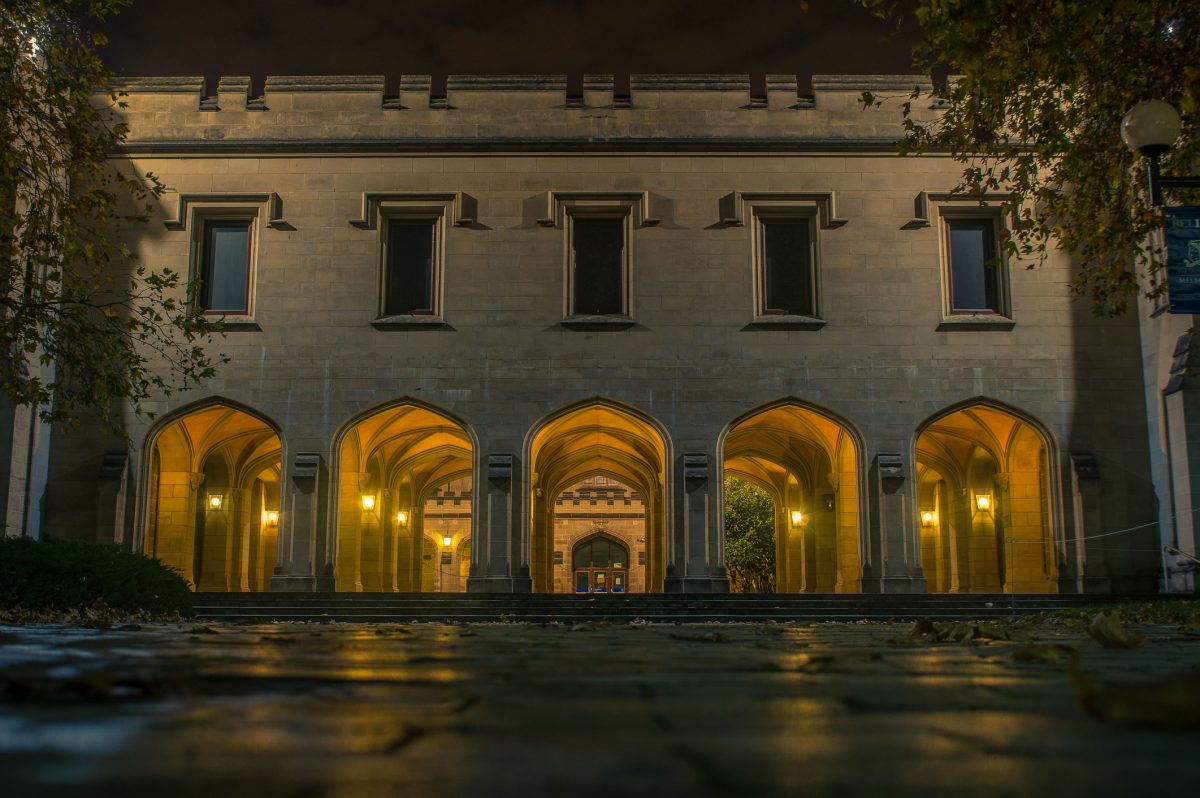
point(520, 289)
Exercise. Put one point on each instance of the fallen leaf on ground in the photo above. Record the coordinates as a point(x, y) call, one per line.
point(1171, 702)
point(1106, 629)
point(1051, 654)
point(710, 637)
point(826, 663)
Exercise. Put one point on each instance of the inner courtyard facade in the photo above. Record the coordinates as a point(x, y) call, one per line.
point(513, 339)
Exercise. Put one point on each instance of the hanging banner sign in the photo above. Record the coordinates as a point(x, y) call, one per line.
point(1182, 226)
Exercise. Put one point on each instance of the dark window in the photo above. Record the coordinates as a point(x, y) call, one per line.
point(600, 552)
point(599, 252)
point(974, 266)
point(787, 277)
point(225, 268)
point(408, 283)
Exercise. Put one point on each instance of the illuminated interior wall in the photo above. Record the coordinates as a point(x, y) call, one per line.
point(808, 462)
point(599, 504)
point(980, 456)
point(447, 515)
point(390, 464)
point(596, 440)
point(213, 510)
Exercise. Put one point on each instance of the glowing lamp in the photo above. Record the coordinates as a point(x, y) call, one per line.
point(1150, 127)
point(270, 517)
point(368, 501)
point(215, 500)
point(447, 540)
point(402, 518)
point(928, 518)
point(797, 518)
point(983, 502)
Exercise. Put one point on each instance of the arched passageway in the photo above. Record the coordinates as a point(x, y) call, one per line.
point(593, 450)
point(983, 504)
point(394, 465)
point(808, 463)
point(447, 525)
point(213, 509)
point(596, 509)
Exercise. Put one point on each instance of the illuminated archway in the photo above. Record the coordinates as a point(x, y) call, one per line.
point(983, 503)
point(808, 462)
point(447, 523)
point(213, 505)
point(596, 439)
point(599, 506)
point(390, 463)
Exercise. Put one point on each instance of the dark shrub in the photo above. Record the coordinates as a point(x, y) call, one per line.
point(62, 575)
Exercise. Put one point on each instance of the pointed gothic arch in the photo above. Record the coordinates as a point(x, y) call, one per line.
point(810, 460)
point(211, 508)
point(388, 460)
point(987, 500)
point(590, 438)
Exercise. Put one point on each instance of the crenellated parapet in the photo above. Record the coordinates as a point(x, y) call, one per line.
point(519, 111)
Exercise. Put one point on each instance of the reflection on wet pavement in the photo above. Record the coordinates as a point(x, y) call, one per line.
point(554, 710)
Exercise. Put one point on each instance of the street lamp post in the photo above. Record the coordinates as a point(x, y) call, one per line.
point(1151, 127)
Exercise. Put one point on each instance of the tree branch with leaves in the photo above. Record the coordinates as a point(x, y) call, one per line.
point(1034, 109)
point(83, 328)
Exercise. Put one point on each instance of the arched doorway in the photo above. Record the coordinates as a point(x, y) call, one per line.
point(213, 507)
point(393, 465)
point(600, 447)
point(808, 463)
point(983, 503)
point(600, 564)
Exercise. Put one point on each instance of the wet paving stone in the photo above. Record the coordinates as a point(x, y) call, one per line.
point(331, 710)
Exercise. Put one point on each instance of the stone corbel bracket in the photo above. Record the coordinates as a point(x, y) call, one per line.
point(272, 200)
point(733, 205)
point(558, 202)
point(921, 209)
point(462, 206)
point(306, 467)
point(500, 466)
point(695, 466)
point(891, 466)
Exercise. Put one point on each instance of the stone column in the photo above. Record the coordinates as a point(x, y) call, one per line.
point(697, 568)
point(893, 564)
point(110, 498)
point(500, 561)
point(1086, 572)
point(305, 554)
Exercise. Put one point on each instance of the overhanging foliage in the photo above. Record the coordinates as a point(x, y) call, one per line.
point(1034, 108)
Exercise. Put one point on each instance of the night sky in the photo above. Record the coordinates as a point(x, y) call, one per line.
point(378, 37)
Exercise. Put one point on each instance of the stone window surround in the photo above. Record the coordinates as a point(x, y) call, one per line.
point(930, 209)
point(562, 208)
point(945, 209)
point(378, 209)
point(762, 318)
point(819, 208)
point(195, 210)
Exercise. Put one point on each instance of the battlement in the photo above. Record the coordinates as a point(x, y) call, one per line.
point(415, 90)
point(512, 108)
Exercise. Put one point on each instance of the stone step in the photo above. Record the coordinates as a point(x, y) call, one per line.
point(665, 608)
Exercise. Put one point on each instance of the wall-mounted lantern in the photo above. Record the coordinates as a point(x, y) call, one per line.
point(983, 502)
point(215, 501)
point(368, 501)
point(797, 518)
point(402, 518)
point(270, 517)
point(447, 540)
point(928, 518)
